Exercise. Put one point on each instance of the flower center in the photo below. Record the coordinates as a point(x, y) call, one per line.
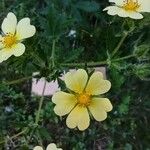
point(84, 99)
point(131, 5)
point(9, 40)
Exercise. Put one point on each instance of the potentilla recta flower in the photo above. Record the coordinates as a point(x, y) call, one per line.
point(13, 34)
point(128, 8)
point(51, 146)
point(84, 99)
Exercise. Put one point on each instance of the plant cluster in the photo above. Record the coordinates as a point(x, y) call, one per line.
point(53, 36)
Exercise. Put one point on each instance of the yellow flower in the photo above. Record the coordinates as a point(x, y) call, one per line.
point(128, 8)
point(51, 146)
point(84, 99)
point(13, 34)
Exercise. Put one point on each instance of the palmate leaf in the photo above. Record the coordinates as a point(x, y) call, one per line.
point(142, 71)
point(96, 33)
point(141, 51)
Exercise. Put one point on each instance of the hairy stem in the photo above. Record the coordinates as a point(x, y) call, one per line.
point(119, 44)
point(16, 135)
point(90, 64)
point(123, 58)
point(73, 65)
point(53, 53)
point(40, 105)
point(18, 80)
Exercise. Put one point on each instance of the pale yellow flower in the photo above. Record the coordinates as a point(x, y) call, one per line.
point(51, 146)
point(13, 34)
point(83, 100)
point(128, 8)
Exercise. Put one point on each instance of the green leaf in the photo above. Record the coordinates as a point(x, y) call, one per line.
point(141, 51)
point(88, 6)
point(115, 74)
point(142, 71)
point(44, 133)
point(124, 106)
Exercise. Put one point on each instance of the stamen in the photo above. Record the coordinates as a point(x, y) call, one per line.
point(84, 99)
point(131, 5)
point(9, 40)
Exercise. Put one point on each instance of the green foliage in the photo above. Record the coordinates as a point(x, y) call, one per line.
point(52, 51)
point(123, 108)
point(142, 71)
point(88, 6)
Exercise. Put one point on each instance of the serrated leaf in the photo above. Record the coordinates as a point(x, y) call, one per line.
point(142, 71)
point(141, 51)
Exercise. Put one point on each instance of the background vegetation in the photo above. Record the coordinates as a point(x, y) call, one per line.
point(121, 45)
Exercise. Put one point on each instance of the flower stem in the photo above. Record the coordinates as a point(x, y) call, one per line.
point(73, 65)
point(90, 64)
point(39, 111)
point(123, 58)
point(16, 135)
point(94, 64)
point(119, 44)
point(18, 80)
point(53, 53)
point(40, 105)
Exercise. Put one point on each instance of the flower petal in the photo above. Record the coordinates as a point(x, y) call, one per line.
point(1, 44)
point(24, 29)
point(38, 148)
point(97, 85)
point(98, 108)
point(18, 49)
point(9, 24)
point(76, 81)
point(52, 146)
point(78, 117)
point(112, 10)
point(115, 10)
point(5, 54)
point(65, 102)
point(144, 5)
point(122, 13)
point(132, 14)
point(135, 15)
